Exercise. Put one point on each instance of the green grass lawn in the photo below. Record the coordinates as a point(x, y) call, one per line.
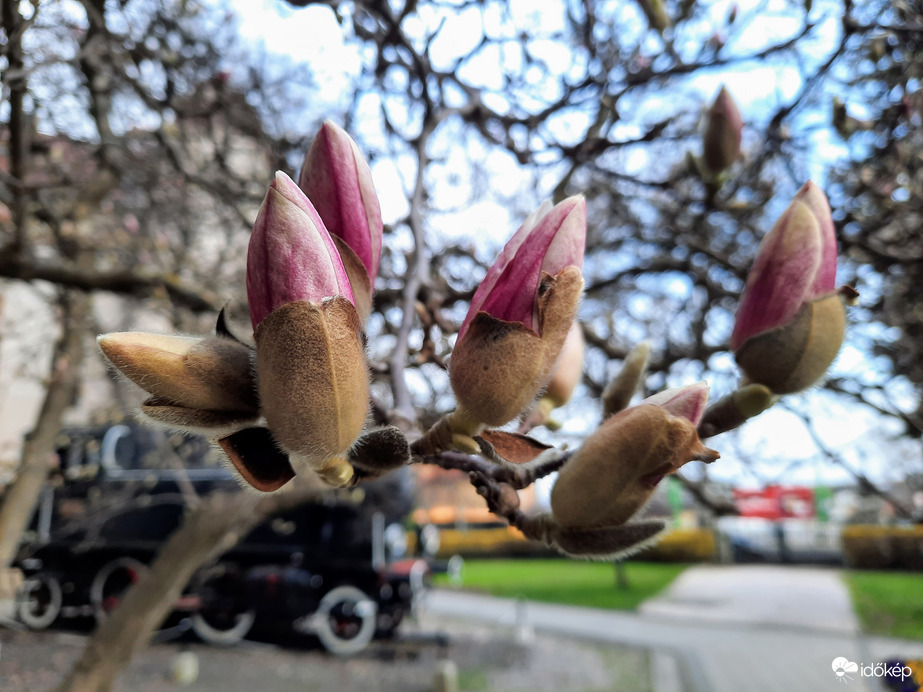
point(888, 603)
point(568, 581)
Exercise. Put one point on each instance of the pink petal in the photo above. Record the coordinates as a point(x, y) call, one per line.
point(688, 402)
point(337, 179)
point(782, 275)
point(814, 197)
point(291, 256)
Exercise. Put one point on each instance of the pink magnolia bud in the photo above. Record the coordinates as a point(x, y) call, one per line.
point(291, 255)
point(795, 263)
point(337, 179)
point(790, 323)
point(520, 316)
point(722, 133)
point(549, 240)
point(617, 469)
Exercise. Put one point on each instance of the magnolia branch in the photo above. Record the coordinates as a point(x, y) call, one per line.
point(417, 277)
point(131, 283)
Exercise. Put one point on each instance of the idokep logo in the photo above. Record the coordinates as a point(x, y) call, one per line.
point(898, 672)
point(842, 667)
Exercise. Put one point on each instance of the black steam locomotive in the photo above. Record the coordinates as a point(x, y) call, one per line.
point(332, 569)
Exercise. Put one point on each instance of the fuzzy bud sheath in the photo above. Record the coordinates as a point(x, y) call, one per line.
point(791, 322)
point(313, 383)
point(617, 469)
point(199, 384)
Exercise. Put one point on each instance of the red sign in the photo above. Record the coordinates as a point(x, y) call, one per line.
point(776, 502)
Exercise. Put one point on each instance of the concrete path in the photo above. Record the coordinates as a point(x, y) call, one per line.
point(796, 597)
point(766, 652)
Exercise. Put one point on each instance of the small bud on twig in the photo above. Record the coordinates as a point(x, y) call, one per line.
point(723, 133)
point(622, 388)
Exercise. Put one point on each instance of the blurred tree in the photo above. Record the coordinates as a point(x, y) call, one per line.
point(878, 187)
point(600, 99)
point(132, 165)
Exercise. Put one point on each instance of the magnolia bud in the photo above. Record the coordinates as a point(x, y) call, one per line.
point(337, 179)
point(792, 357)
point(291, 255)
point(619, 392)
point(722, 133)
point(520, 316)
point(617, 469)
point(790, 324)
point(194, 382)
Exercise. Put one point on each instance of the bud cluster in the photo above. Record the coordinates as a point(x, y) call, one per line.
point(296, 399)
point(299, 399)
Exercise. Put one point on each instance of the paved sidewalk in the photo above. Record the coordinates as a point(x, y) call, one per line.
point(766, 653)
point(795, 597)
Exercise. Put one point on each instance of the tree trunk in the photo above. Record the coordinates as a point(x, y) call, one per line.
point(213, 527)
point(621, 576)
point(38, 456)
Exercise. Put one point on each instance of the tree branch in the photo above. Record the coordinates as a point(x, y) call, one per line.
point(125, 282)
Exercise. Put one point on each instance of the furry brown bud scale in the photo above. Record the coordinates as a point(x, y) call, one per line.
point(203, 384)
point(498, 367)
point(616, 470)
point(313, 382)
point(792, 357)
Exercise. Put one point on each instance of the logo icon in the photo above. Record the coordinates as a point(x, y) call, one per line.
point(842, 667)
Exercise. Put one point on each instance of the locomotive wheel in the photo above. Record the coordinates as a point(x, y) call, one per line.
point(223, 629)
point(345, 620)
point(111, 582)
point(219, 622)
point(40, 601)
